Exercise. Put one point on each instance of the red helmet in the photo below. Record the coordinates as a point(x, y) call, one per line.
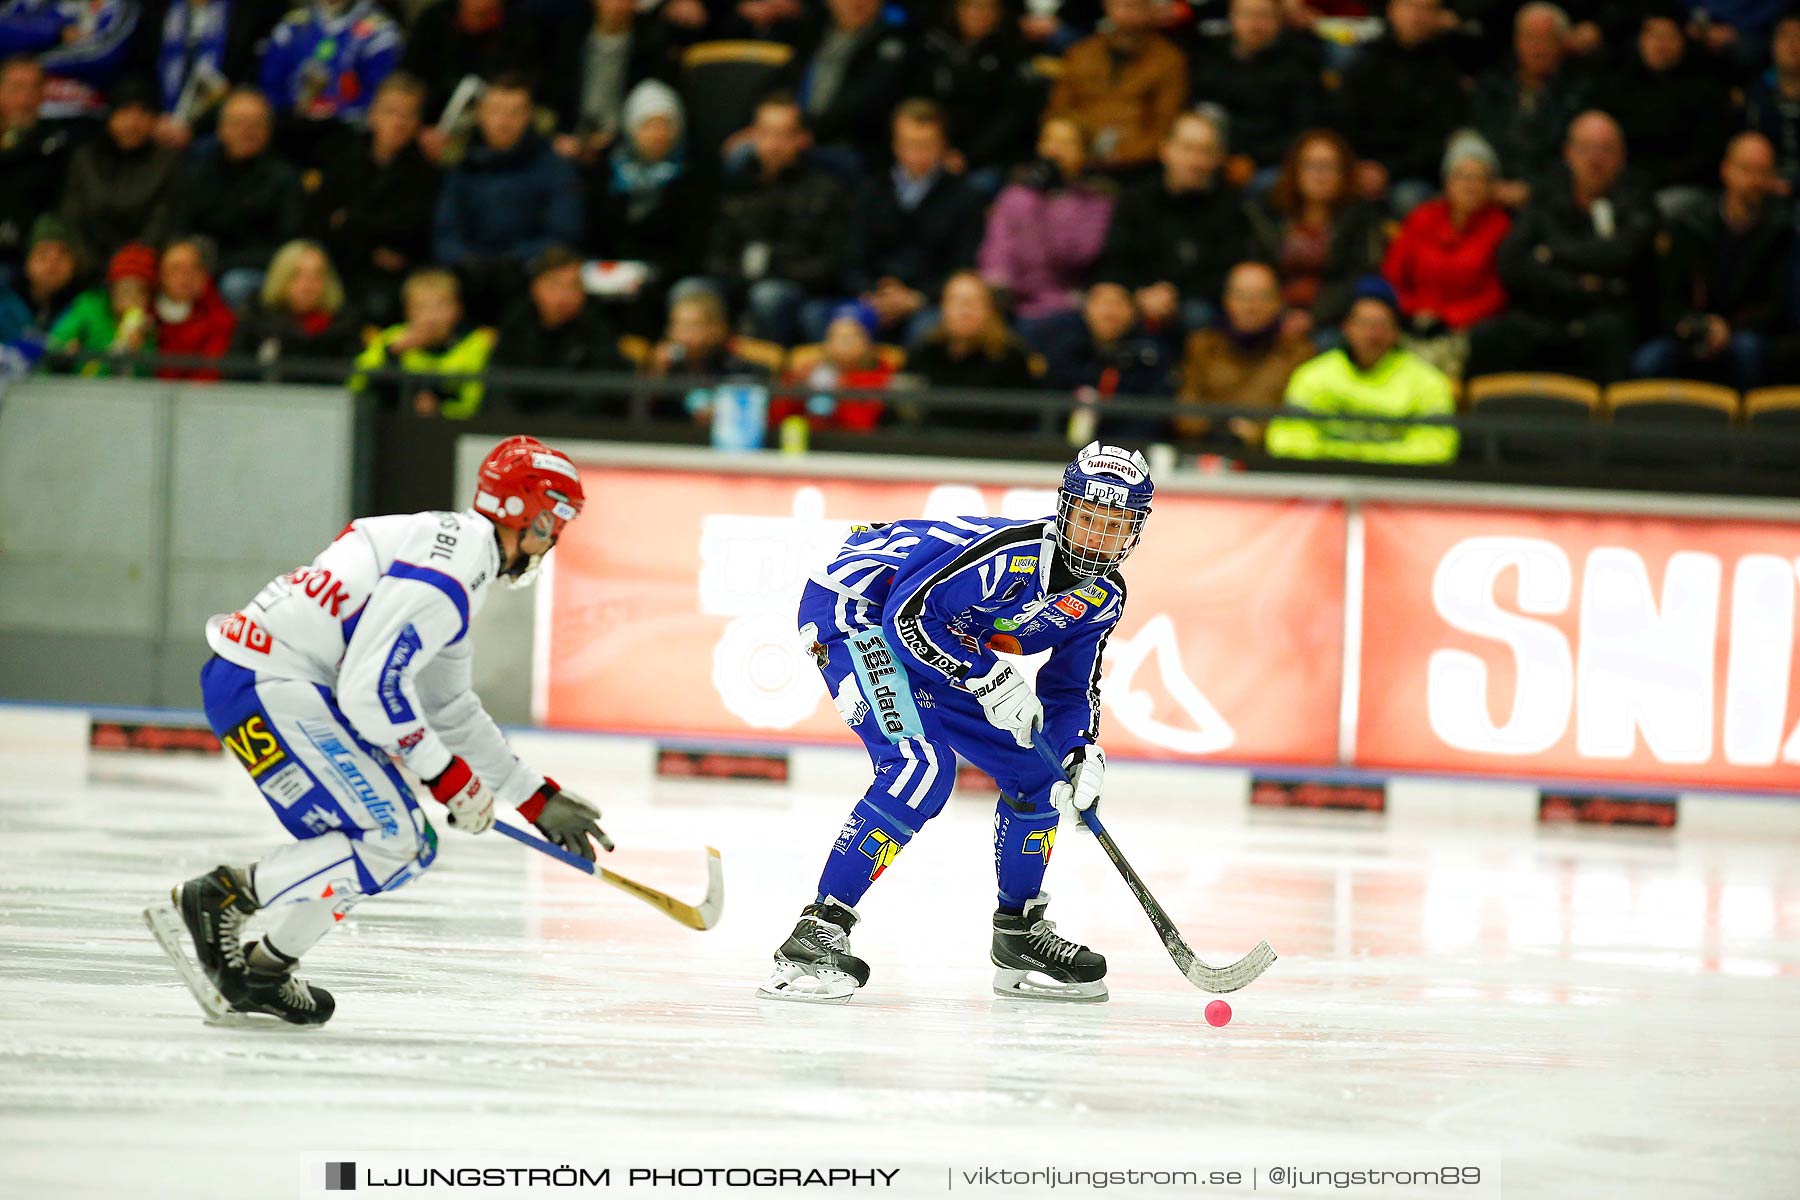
point(524, 484)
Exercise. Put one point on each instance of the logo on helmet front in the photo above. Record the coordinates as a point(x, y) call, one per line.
point(553, 462)
point(1113, 494)
point(1127, 466)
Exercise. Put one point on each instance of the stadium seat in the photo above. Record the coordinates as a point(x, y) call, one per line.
point(1672, 402)
point(1773, 415)
point(1773, 408)
point(720, 85)
point(767, 355)
point(1683, 404)
point(1558, 402)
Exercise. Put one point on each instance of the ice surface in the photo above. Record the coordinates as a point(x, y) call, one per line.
point(1608, 1014)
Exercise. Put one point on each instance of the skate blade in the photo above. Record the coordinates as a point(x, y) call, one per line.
point(1031, 985)
point(794, 983)
point(167, 928)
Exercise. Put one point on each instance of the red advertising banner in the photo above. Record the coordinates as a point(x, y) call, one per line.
point(1576, 645)
point(673, 613)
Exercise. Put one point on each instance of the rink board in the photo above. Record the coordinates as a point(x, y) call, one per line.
point(1611, 640)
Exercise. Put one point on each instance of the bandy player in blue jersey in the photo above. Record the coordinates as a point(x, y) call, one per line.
point(904, 624)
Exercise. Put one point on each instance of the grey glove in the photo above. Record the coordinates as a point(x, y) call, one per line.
point(566, 819)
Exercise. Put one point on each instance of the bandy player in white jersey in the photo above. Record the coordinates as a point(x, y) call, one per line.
point(330, 673)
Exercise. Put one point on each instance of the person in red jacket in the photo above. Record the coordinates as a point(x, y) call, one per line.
point(849, 360)
point(191, 317)
point(1443, 265)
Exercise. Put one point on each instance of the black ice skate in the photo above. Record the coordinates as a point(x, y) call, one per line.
point(1035, 964)
point(815, 964)
point(213, 908)
point(270, 986)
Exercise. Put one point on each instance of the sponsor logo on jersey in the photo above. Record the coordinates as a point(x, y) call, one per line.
point(1039, 843)
point(877, 665)
point(891, 720)
point(1069, 604)
point(924, 697)
point(393, 672)
point(410, 742)
point(1005, 624)
point(254, 744)
point(1004, 643)
point(318, 585)
point(286, 786)
point(1094, 594)
point(321, 820)
point(850, 704)
point(912, 636)
point(852, 826)
point(247, 633)
point(1023, 564)
point(343, 761)
point(882, 850)
point(443, 542)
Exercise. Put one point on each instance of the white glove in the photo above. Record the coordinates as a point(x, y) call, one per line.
point(459, 790)
point(1008, 701)
point(1086, 766)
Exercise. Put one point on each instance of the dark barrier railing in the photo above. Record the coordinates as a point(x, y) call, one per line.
point(411, 457)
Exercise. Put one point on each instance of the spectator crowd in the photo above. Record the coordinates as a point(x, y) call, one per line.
point(1346, 207)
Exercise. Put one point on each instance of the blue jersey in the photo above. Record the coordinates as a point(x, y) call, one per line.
point(323, 66)
point(85, 42)
point(193, 37)
point(948, 594)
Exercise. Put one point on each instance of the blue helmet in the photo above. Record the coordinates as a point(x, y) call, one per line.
point(1101, 506)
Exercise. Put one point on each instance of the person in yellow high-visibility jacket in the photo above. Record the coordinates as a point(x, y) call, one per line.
point(1370, 377)
point(432, 340)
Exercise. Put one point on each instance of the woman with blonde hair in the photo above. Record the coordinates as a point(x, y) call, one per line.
point(300, 311)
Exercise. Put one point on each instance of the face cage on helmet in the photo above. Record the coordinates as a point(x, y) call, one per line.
point(528, 576)
point(1093, 563)
point(535, 563)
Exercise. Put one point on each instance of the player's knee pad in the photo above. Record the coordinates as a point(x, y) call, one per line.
point(914, 780)
point(390, 860)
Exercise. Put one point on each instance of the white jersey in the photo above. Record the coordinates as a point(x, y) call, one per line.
point(381, 620)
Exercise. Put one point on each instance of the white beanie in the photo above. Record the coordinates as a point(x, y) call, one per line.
point(1466, 143)
point(651, 98)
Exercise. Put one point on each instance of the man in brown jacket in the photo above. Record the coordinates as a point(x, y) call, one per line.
point(1244, 362)
point(1123, 86)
